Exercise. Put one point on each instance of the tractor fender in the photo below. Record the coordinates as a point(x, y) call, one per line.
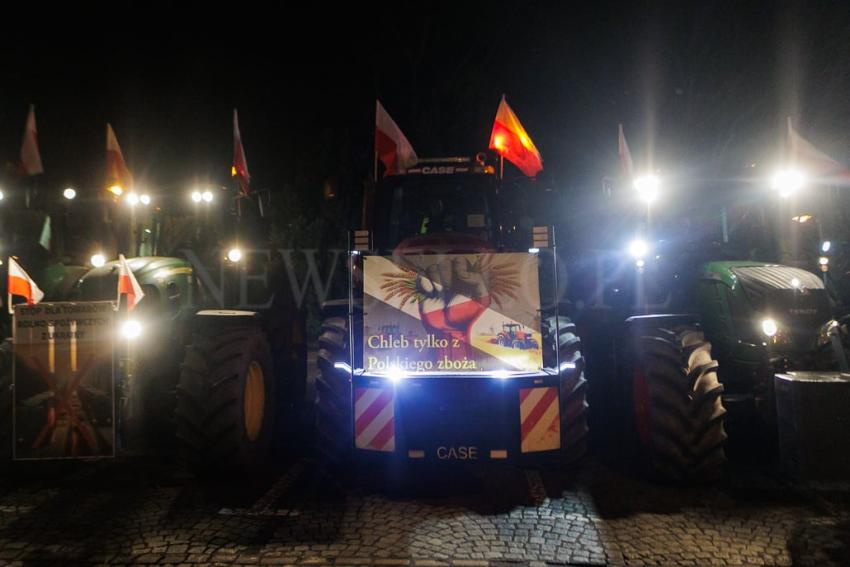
point(226, 318)
point(635, 325)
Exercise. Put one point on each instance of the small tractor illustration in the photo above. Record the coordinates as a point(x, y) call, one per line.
point(512, 336)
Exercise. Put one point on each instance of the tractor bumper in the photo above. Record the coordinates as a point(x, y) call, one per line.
point(458, 420)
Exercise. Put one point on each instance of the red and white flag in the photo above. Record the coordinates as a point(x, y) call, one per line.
point(626, 166)
point(127, 284)
point(239, 169)
point(512, 142)
point(391, 145)
point(117, 173)
point(30, 156)
point(22, 285)
point(815, 163)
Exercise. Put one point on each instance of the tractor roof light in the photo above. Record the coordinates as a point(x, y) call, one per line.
point(145, 199)
point(196, 196)
point(648, 188)
point(207, 196)
point(788, 182)
point(132, 199)
point(825, 246)
point(638, 248)
point(70, 193)
point(769, 327)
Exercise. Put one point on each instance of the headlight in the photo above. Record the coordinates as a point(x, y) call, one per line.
point(396, 374)
point(769, 327)
point(97, 260)
point(131, 329)
point(234, 255)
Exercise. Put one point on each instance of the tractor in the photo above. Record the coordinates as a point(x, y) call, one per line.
point(448, 252)
point(698, 320)
point(513, 336)
point(216, 384)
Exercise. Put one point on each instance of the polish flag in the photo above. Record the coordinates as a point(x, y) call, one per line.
point(626, 167)
point(512, 142)
point(22, 285)
point(116, 170)
point(391, 146)
point(239, 169)
point(127, 284)
point(30, 156)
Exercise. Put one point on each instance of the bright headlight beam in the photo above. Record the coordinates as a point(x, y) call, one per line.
point(131, 329)
point(638, 248)
point(234, 255)
point(395, 374)
point(769, 327)
point(97, 260)
point(788, 182)
point(647, 187)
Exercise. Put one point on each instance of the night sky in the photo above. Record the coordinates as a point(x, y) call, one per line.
point(701, 87)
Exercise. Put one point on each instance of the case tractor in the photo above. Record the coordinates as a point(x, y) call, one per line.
point(449, 255)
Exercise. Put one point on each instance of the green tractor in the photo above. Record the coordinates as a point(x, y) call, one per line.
point(195, 375)
point(697, 335)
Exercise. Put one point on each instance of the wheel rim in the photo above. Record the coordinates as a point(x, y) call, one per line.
point(255, 400)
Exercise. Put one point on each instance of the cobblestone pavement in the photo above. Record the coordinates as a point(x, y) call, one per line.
point(145, 512)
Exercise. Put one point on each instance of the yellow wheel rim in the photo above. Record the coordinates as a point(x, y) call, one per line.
point(255, 400)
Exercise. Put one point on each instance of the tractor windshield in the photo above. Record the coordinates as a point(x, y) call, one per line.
point(429, 205)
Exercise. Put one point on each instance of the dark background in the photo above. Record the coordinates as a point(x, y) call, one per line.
point(701, 87)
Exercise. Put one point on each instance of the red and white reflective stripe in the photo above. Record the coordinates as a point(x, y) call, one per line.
point(540, 419)
point(374, 427)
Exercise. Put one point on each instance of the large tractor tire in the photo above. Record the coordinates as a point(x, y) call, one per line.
point(574, 406)
point(678, 408)
point(333, 388)
point(226, 399)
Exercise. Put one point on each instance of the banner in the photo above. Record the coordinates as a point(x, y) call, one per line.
point(452, 313)
point(63, 380)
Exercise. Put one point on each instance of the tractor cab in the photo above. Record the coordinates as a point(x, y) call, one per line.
point(454, 204)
